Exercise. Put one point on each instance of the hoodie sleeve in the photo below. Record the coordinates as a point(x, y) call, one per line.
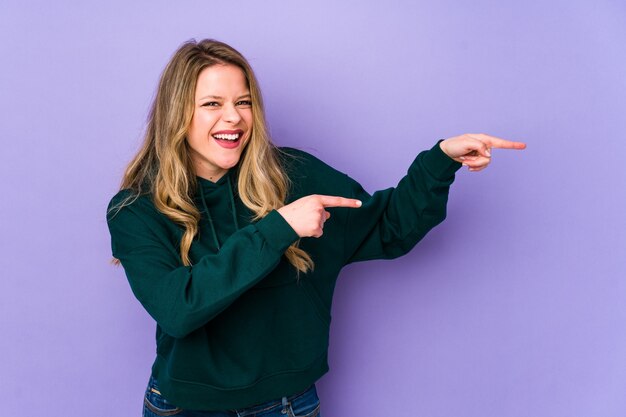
point(184, 298)
point(391, 222)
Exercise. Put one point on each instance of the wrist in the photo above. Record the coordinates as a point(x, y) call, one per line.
point(439, 164)
point(443, 145)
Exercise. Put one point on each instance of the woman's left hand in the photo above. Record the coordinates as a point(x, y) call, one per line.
point(474, 149)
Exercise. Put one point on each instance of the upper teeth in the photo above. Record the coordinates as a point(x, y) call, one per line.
point(233, 136)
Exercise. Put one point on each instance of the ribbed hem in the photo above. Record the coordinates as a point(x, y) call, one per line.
point(438, 164)
point(197, 396)
point(275, 229)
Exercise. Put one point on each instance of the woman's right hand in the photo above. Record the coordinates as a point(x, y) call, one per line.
point(307, 215)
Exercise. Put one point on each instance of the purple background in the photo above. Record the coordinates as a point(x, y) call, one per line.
point(514, 306)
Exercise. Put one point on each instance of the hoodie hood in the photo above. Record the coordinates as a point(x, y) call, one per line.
point(216, 200)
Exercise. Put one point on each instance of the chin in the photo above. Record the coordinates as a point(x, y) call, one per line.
point(229, 164)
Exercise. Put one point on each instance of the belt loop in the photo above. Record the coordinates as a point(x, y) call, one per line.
point(285, 404)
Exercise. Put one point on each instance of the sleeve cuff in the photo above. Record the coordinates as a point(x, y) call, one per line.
point(438, 164)
point(276, 231)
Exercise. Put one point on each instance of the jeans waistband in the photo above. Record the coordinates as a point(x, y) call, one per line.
point(283, 402)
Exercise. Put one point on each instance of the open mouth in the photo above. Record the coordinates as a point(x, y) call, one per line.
point(228, 138)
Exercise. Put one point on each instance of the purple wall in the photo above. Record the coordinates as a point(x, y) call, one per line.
point(515, 306)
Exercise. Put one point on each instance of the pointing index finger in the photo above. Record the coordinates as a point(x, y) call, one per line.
point(495, 142)
point(335, 201)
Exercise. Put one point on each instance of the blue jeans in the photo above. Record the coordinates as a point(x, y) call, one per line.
point(304, 404)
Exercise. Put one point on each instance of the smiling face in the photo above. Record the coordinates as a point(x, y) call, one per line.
point(222, 120)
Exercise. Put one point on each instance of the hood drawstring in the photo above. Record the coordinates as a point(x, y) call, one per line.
point(208, 213)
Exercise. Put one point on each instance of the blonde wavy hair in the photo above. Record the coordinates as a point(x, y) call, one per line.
point(163, 165)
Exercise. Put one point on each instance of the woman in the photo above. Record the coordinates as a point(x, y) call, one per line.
point(229, 244)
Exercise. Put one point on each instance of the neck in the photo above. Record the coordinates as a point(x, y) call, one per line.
point(212, 176)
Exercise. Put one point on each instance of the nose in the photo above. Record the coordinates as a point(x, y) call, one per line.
point(231, 114)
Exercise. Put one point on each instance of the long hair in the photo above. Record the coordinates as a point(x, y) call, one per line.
point(163, 165)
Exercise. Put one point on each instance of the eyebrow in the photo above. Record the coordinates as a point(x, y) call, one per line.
point(220, 98)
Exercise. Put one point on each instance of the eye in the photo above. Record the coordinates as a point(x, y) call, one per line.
point(211, 104)
point(244, 103)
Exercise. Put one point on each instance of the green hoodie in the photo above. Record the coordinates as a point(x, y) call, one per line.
point(238, 328)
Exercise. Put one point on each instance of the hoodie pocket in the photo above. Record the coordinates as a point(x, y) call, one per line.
point(264, 333)
point(316, 302)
